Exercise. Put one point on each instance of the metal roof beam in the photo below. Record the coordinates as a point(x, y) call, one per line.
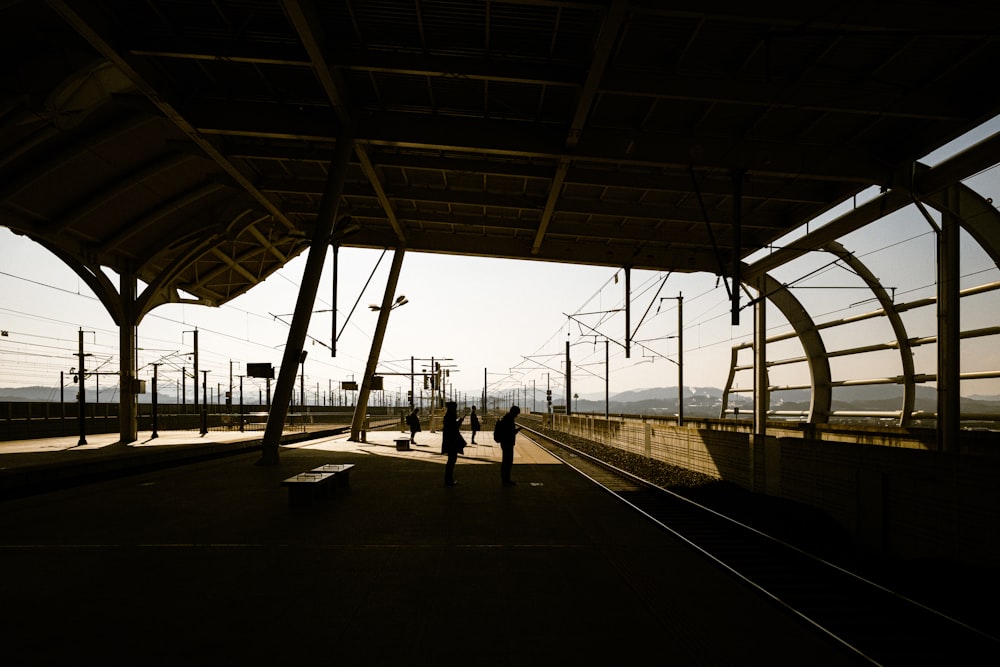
point(302, 16)
point(498, 138)
point(652, 179)
point(85, 20)
point(923, 180)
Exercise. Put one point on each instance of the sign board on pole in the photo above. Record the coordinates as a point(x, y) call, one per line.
point(260, 371)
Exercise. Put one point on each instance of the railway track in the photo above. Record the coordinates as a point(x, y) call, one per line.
point(879, 625)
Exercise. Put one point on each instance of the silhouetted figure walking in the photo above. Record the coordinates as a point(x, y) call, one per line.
point(452, 442)
point(505, 433)
point(473, 424)
point(413, 421)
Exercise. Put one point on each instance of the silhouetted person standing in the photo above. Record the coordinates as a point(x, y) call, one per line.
point(473, 424)
point(505, 433)
point(452, 442)
point(413, 421)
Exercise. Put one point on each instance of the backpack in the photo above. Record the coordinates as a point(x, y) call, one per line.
point(498, 430)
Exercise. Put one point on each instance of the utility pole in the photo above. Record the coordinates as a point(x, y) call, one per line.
point(156, 368)
point(82, 394)
point(302, 380)
point(569, 392)
point(197, 405)
point(204, 408)
point(680, 359)
point(241, 404)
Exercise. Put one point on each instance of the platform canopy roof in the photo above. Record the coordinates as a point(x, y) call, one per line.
point(188, 142)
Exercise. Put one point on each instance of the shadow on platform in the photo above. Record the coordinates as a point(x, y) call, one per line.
point(206, 563)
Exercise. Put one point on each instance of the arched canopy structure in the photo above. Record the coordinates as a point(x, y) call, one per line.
point(187, 146)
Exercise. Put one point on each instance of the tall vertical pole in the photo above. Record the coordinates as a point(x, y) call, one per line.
point(229, 397)
point(412, 371)
point(308, 288)
point(242, 426)
point(333, 324)
point(680, 360)
point(737, 244)
point(204, 405)
point(197, 405)
point(302, 380)
point(128, 417)
point(82, 395)
point(628, 312)
point(184, 385)
point(948, 328)
point(156, 378)
point(361, 408)
point(760, 391)
point(607, 381)
point(569, 390)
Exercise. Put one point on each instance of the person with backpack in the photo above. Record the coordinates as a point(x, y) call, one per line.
point(452, 442)
point(505, 433)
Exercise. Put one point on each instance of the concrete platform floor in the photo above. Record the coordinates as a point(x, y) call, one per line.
point(206, 564)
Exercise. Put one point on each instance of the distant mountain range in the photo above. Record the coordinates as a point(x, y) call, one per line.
point(108, 395)
point(699, 401)
point(707, 401)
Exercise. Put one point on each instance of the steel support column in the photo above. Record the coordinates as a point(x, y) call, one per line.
point(360, 410)
point(761, 397)
point(949, 328)
point(680, 360)
point(304, 304)
point(128, 430)
point(737, 246)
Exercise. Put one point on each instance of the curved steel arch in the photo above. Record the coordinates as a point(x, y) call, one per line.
point(812, 343)
point(801, 321)
point(93, 276)
point(977, 216)
point(895, 320)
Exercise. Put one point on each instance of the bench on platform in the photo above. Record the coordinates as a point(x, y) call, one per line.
point(341, 470)
point(306, 487)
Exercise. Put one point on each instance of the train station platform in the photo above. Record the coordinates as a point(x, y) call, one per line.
point(206, 563)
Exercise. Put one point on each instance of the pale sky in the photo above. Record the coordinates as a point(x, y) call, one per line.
point(506, 317)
